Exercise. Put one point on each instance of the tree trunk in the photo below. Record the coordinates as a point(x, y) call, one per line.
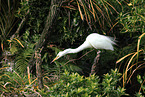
point(54, 10)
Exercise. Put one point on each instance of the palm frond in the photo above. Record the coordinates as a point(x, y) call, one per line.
point(95, 11)
point(22, 60)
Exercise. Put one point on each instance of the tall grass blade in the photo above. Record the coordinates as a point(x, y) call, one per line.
point(139, 44)
point(112, 7)
point(108, 16)
point(28, 70)
point(127, 68)
point(123, 58)
point(19, 42)
point(93, 10)
point(80, 11)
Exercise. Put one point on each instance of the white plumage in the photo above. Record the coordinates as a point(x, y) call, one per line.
point(93, 40)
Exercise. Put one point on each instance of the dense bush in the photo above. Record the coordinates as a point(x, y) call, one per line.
point(80, 86)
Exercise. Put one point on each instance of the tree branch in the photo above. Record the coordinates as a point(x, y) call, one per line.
point(94, 66)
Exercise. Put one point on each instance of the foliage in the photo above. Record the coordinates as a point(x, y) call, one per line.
point(8, 21)
point(24, 54)
point(79, 18)
point(142, 87)
point(76, 85)
point(22, 22)
point(135, 62)
point(132, 61)
point(23, 9)
point(21, 45)
point(38, 13)
point(133, 20)
point(14, 84)
point(92, 10)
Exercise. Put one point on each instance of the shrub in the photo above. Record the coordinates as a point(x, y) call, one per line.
point(76, 85)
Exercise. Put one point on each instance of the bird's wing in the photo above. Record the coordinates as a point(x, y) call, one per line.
point(100, 41)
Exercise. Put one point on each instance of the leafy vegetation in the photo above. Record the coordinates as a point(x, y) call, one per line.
point(32, 32)
point(76, 85)
point(142, 87)
point(68, 85)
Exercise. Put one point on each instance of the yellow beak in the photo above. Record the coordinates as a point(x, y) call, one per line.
point(54, 59)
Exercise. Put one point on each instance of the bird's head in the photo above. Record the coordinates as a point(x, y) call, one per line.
point(62, 53)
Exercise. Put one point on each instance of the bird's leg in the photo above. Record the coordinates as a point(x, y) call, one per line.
point(94, 66)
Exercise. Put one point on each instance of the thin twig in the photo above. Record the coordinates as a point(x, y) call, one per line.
point(78, 58)
point(20, 26)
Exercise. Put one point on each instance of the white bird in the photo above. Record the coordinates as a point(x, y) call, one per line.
point(93, 40)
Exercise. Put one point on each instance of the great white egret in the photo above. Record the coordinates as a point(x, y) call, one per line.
point(93, 40)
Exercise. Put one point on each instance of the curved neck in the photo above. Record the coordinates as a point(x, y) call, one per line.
point(81, 47)
point(76, 50)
